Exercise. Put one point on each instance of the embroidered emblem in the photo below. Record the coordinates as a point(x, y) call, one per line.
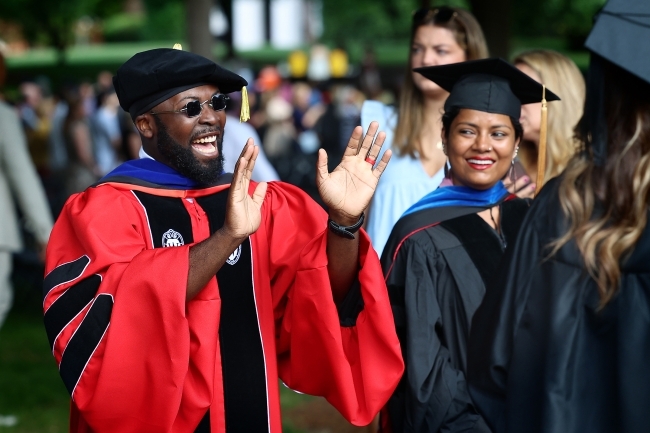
point(172, 238)
point(234, 257)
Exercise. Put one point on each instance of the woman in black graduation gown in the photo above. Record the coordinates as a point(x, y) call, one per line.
point(445, 249)
point(562, 341)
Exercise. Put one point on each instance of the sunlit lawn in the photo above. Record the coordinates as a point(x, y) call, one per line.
point(29, 380)
point(30, 387)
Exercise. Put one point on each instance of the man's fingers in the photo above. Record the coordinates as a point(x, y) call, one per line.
point(381, 166)
point(368, 139)
point(249, 142)
point(321, 166)
point(241, 154)
point(252, 159)
point(259, 194)
point(353, 143)
point(376, 147)
point(237, 176)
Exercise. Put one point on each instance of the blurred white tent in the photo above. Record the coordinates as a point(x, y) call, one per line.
point(291, 23)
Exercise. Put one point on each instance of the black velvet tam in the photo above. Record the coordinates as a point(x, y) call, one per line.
point(621, 34)
point(151, 77)
point(489, 85)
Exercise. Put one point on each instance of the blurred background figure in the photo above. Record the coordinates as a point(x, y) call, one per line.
point(88, 96)
point(439, 36)
point(280, 135)
point(268, 83)
point(82, 169)
point(35, 113)
point(235, 135)
point(106, 132)
point(337, 120)
point(19, 181)
point(561, 74)
point(307, 105)
point(370, 77)
point(104, 81)
point(131, 142)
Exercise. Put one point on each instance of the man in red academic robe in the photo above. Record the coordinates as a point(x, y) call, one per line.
point(176, 295)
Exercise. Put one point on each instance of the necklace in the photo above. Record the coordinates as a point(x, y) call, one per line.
point(497, 227)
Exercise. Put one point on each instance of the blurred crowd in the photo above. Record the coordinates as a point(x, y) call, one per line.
point(75, 134)
point(446, 273)
point(78, 133)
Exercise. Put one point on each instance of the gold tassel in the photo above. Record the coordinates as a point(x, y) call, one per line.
point(541, 149)
point(178, 47)
point(245, 109)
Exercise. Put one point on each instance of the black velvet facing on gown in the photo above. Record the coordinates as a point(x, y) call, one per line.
point(482, 242)
point(436, 273)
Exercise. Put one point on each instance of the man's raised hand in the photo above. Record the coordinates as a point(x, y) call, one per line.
point(347, 190)
point(243, 215)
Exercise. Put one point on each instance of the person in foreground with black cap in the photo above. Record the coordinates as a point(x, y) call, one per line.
point(445, 249)
point(176, 295)
point(562, 340)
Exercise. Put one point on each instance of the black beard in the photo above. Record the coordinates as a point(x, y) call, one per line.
point(185, 162)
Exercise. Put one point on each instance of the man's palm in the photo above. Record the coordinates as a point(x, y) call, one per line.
point(348, 189)
point(243, 214)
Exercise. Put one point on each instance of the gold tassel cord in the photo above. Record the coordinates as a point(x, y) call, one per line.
point(245, 113)
point(541, 149)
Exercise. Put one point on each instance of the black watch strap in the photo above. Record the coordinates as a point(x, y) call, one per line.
point(346, 232)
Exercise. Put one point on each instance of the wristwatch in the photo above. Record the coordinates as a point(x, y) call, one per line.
point(346, 232)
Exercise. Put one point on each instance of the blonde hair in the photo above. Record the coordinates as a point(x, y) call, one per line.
point(410, 120)
point(607, 206)
point(560, 74)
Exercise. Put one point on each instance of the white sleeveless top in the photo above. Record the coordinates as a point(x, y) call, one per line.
point(402, 184)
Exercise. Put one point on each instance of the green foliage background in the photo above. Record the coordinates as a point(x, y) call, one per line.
point(50, 22)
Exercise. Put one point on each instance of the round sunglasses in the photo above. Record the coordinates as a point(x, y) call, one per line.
point(217, 102)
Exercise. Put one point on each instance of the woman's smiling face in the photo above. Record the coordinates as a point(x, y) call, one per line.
point(480, 147)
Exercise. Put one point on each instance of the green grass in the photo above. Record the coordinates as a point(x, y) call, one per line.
point(29, 380)
point(30, 386)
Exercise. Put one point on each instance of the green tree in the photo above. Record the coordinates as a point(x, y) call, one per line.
point(367, 20)
point(52, 22)
point(165, 20)
point(570, 20)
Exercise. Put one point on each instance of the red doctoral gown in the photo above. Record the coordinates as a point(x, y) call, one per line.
point(136, 357)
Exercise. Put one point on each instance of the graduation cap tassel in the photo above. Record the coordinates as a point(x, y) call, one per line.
point(541, 150)
point(245, 113)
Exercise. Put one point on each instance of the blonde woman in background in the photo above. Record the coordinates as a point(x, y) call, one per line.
point(439, 36)
point(559, 73)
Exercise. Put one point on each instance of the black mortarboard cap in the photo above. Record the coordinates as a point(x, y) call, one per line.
point(150, 77)
point(490, 85)
point(493, 86)
point(621, 34)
